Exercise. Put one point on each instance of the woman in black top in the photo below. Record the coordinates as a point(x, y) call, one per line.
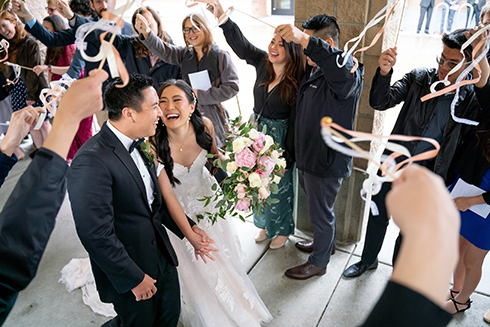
point(279, 72)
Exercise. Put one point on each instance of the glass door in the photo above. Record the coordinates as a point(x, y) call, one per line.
point(283, 7)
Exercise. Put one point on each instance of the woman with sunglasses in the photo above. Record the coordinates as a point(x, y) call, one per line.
point(200, 54)
point(26, 86)
point(279, 72)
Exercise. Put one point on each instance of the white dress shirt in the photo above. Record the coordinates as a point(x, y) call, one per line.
point(138, 160)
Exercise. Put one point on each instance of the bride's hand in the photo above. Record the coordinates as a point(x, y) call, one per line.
point(200, 241)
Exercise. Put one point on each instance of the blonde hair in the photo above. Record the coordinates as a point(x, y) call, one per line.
point(201, 23)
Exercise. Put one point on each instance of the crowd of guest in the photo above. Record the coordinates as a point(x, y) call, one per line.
point(125, 202)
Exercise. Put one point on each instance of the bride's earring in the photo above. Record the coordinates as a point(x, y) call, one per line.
point(190, 115)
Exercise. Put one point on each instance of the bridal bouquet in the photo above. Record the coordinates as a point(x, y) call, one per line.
point(253, 166)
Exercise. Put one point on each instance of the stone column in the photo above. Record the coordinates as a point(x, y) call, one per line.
point(352, 16)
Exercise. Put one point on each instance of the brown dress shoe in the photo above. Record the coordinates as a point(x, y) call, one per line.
point(307, 246)
point(305, 271)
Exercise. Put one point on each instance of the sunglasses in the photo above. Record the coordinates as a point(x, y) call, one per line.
point(50, 9)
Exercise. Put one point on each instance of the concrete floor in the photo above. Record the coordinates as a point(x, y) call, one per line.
point(329, 300)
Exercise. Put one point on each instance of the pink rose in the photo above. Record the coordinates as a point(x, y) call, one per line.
point(239, 178)
point(266, 165)
point(246, 158)
point(259, 142)
point(241, 190)
point(243, 204)
point(263, 193)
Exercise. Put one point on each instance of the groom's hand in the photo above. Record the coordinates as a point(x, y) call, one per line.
point(146, 289)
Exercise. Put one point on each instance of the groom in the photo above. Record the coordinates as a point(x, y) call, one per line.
point(119, 211)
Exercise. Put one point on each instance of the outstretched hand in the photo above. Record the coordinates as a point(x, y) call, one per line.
point(19, 8)
point(387, 60)
point(20, 123)
point(81, 100)
point(291, 33)
point(142, 26)
point(64, 8)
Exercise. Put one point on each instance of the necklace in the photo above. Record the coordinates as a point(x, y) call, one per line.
point(185, 138)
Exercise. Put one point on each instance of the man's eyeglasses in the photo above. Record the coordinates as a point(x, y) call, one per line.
point(50, 9)
point(187, 30)
point(450, 63)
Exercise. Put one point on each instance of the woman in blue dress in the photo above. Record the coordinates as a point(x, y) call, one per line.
point(473, 166)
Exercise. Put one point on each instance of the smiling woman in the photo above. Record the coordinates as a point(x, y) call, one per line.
point(24, 51)
point(279, 71)
point(234, 302)
point(200, 55)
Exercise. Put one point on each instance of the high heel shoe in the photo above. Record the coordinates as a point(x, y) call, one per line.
point(452, 294)
point(277, 245)
point(456, 303)
point(260, 237)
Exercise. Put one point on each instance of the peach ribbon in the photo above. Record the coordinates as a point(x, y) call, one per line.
point(382, 14)
point(460, 80)
point(333, 137)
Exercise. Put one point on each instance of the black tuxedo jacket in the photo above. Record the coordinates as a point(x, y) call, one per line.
point(124, 237)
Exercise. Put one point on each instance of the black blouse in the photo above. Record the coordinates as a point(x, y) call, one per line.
point(274, 107)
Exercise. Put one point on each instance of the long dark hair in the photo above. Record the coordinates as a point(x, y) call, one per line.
point(54, 54)
point(293, 72)
point(160, 139)
point(141, 49)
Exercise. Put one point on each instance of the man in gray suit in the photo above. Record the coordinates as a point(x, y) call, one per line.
point(426, 7)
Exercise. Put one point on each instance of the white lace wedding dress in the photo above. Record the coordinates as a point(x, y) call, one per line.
point(217, 293)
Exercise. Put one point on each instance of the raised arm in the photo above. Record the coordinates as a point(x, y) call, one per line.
point(240, 45)
point(339, 79)
point(50, 39)
point(384, 96)
point(227, 86)
point(171, 54)
point(28, 217)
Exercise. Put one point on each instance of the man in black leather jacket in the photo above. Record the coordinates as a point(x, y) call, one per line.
point(431, 118)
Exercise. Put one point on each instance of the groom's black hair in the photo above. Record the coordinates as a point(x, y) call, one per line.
point(117, 98)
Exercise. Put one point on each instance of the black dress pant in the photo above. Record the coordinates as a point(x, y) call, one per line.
point(161, 310)
point(376, 228)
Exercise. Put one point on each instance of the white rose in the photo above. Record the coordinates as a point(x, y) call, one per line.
point(253, 134)
point(264, 181)
point(231, 167)
point(247, 141)
point(275, 155)
point(268, 142)
point(238, 145)
point(254, 180)
point(276, 179)
point(281, 162)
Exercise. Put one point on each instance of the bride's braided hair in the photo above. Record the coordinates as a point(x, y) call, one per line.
point(160, 140)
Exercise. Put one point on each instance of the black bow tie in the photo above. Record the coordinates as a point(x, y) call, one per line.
point(136, 144)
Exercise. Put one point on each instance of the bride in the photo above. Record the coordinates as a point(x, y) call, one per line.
point(221, 294)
